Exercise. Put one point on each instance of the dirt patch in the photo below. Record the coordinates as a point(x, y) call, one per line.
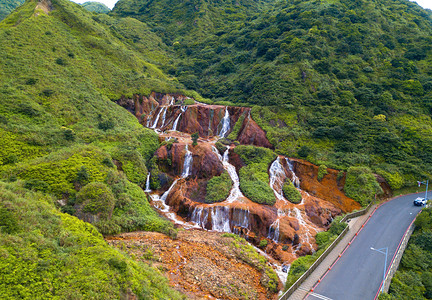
point(202, 265)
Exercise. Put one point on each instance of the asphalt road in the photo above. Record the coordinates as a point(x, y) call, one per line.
point(359, 272)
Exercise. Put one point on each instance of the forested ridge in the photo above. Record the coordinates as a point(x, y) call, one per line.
point(343, 84)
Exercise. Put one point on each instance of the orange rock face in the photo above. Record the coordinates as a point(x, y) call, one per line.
point(329, 188)
point(162, 112)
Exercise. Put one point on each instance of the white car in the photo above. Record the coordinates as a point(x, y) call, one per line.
point(420, 201)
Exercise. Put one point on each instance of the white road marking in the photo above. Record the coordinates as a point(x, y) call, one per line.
point(319, 296)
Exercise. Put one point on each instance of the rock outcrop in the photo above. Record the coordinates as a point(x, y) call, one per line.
point(168, 112)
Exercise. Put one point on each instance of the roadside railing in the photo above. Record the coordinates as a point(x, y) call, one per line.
point(330, 248)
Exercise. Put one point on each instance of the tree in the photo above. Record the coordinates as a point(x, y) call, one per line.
point(194, 137)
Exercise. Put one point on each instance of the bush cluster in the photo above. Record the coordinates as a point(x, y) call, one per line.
point(218, 188)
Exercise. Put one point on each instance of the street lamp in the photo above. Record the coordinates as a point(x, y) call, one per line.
point(385, 263)
point(427, 186)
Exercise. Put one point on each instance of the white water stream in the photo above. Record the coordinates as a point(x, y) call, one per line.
point(225, 124)
point(183, 109)
point(147, 187)
point(235, 192)
point(157, 118)
point(277, 177)
point(307, 236)
point(187, 164)
point(295, 180)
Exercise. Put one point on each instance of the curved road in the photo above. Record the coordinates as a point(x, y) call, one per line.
point(359, 272)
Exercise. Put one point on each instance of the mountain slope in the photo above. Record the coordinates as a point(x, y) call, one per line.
point(69, 148)
point(7, 6)
point(347, 82)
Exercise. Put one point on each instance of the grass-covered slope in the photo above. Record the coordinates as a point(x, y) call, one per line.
point(68, 148)
point(45, 254)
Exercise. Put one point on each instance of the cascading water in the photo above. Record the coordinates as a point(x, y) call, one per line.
point(274, 231)
point(277, 176)
point(220, 218)
point(157, 118)
point(163, 117)
point(183, 109)
point(147, 187)
point(240, 220)
point(187, 165)
point(235, 190)
point(225, 124)
point(295, 180)
point(302, 222)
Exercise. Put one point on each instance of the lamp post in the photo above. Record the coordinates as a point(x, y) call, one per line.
point(427, 186)
point(385, 262)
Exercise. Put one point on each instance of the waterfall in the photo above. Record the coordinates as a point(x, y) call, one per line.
point(187, 163)
point(147, 187)
point(172, 100)
point(174, 128)
point(235, 190)
point(302, 222)
point(183, 109)
point(277, 177)
point(163, 117)
point(157, 118)
point(295, 180)
point(220, 219)
point(225, 124)
point(165, 195)
point(240, 219)
point(200, 216)
point(274, 231)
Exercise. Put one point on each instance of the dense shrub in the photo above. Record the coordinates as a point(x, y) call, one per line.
point(322, 171)
point(361, 185)
point(291, 193)
point(218, 188)
point(46, 244)
point(96, 198)
point(254, 185)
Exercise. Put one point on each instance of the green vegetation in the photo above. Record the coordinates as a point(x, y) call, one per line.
point(47, 254)
point(291, 193)
point(65, 142)
point(248, 254)
point(96, 7)
point(194, 137)
point(218, 188)
point(343, 83)
point(413, 280)
point(96, 198)
point(7, 6)
point(322, 171)
point(254, 177)
point(361, 185)
point(237, 126)
point(323, 239)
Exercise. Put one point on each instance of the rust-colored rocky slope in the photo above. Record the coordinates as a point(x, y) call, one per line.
point(202, 265)
point(162, 111)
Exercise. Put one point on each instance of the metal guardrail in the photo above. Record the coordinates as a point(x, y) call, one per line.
point(330, 248)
